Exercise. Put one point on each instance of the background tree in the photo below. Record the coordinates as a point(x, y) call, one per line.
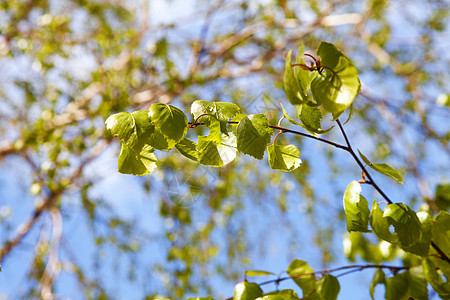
point(69, 221)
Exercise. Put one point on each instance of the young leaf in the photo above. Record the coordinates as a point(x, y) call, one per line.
point(222, 111)
point(435, 279)
point(257, 273)
point(384, 169)
point(284, 157)
point(137, 163)
point(247, 291)
point(378, 278)
point(406, 223)
point(417, 283)
point(280, 295)
point(302, 76)
point(123, 126)
point(442, 196)
point(253, 135)
point(188, 148)
point(397, 286)
point(338, 85)
point(159, 141)
point(214, 154)
point(286, 115)
point(422, 246)
point(380, 224)
point(311, 118)
point(144, 128)
point(170, 120)
point(291, 84)
point(328, 287)
point(356, 208)
point(307, 282)
point(440, 231)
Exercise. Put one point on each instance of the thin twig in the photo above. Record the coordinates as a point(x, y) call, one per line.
point(361, 165)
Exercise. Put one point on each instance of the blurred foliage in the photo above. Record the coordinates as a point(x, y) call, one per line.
point(65, 66)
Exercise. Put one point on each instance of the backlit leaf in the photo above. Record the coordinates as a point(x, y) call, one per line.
point(284, 158)
point(311, 118)
point(306, 282)
point(406, 223)
point(302, 76)
point(247, 291)
point(171, 121)
point(442, 196)
point(280, 295)
point(328, 287)
point(257, 273)
point(286, 115)
point(422, 246)
point(417, 283)
point(336, 87)
point(435, 279)
point(188, 148)
point(137, 163)
point(356, 208)
point(380, 224)
point(217, 154)
point(440, 231)
point(253, 135)
point(397, 286)
point(123, 126)
point(384, 169)
point(222, 111)
point(378, 278)
point(291, 84)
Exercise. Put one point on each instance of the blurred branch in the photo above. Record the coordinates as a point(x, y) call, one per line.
point(53, 267)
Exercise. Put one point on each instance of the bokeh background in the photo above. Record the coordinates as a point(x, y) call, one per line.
point(72, 227)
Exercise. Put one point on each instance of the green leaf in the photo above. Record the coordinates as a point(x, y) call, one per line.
point(280, 295)
point(384, 169)
point(171, 121)
point(159, 141)
point(380, 224)
point(311, 118)
point(144, 128)
point(257, 273)
point(137, 163)
point(417, 283)
point(335, 89)
point(302, 76)
point(284, 157)
point(442, 196)
point(355, 243)
point(253, 135)
point(328, 287)
point(306, 282)
point(356, 208)
point(188, 148)
point(247, 291)
point(286, 115)
point(291, 84)
point(435, 279)
point(406, 223)
point(378, 278)
point(397, 286)
point(443, 100)
point(222, 111)
point(422, 246)
point(123, 126)
point(216, 154)
point(440, 231)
